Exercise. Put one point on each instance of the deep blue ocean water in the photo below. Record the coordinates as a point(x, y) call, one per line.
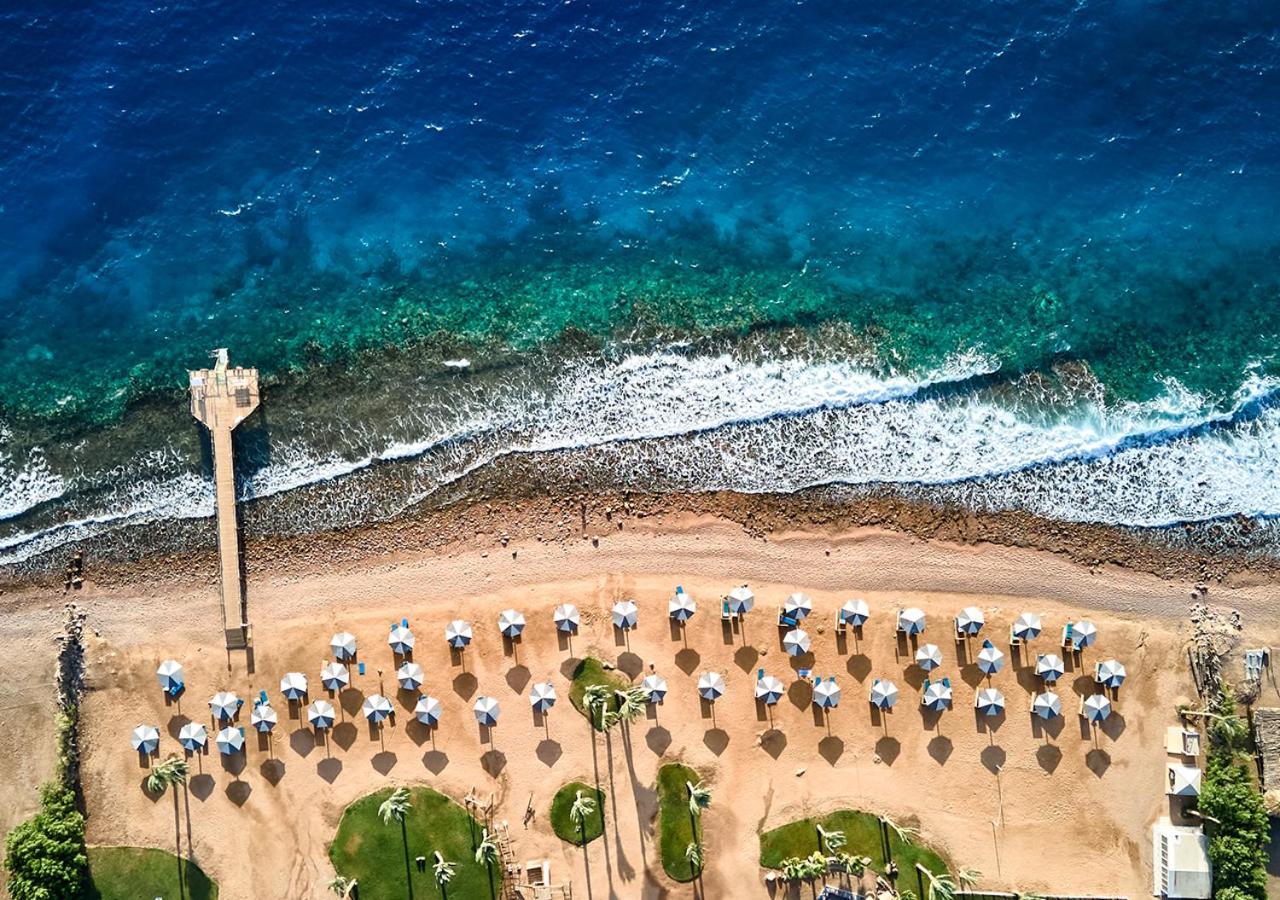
point(720, 245)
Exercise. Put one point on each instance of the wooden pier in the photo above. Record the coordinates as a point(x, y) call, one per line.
point(222, 398)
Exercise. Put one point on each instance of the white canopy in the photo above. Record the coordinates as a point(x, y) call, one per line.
point(335, 676)
point(566, 617)
point(410, 676)
point(855, 612)
point(193, 736)
point(428, 710)
point(741, 600)
point(796, 642)
point(1046, 705)
point(1027, 626)
point(1083, 633)
point(511, 623)
point(936, 696)
point(681, 607)
point(145, 739)
point(376, 708)
point(1110, 673)
point(263, 718)
point(711, 686)
point(293, 685)
point(457, 634)
point(1097, 707)
point(769, 689)
point(344, 645)
point(1184, 781)
point(625, 614)
point(224, 705)
point(321, 714)
point(229, 740)
point(911, 621)
point(656, 685)
point(543, 696)
point(798, 606)
point(884, 693)
point(826, 694)
point(1049, 666)
point(170, 676)
point(487, 711)
point(929, 657)
point(989, 702)
point(400, 639)
point(990, 658)
point(970, 620)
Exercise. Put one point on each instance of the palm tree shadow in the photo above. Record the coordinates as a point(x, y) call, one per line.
point(408, 872)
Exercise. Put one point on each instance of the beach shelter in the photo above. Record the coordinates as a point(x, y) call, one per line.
point(428, 710)
point(970, 621)
point(1184, 781)
point(797, 606)
point(1083, 633)
point(769, 689)
point(400, 639)
point(1097, 707)
point(855, 612)
point(511, 623)
point(1109, 673)
point(229, 740)
point(936, 696)
point(376, 708)
point(1046, 705)
point(989, 702)
point(543, 696)
point(741, 600)
point(884, 693)
point(457, 634)
point(193, 736)
point(410, 676)
point(335, 676)
point(655, 686)
point(1027, 626)
point(990, 658)
point(263, 718)
point(566, 617)
point(487, 711)
point(1049, 667)
point(911, 621)
point(344, 645)
point(826, 694)
point(681, 607)
point(711, 686)
point(170, 676)
point(224, 705)
point(293, 685)
point(796, 642)
point(145, 739)
point(929, 657)
point(321, 714)
point(625, 614)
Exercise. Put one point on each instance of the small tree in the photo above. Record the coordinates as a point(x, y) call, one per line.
point(968, 877)
point(596, 699)
point(631, 703)
point(166, 774)
point(830, 840)
point(699, 798)
point(45, 856)
point(486, 850)
point(395, 807)
point(582, 809)
point(342, 886)
point(693, 853)
point(443, 870)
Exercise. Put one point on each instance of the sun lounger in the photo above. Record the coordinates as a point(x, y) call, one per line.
point(1066, 637)
point(946, 682)
point(262, 697)
point(785, 620)
point(841, 624)
point(404, 623)
point(759, 674)
point(804, 673)
point(360, 667)
point(725, 613)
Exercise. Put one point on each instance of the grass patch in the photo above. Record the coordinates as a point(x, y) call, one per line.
point(862, 838)
point(591, 671)
point(127, 873)
point(593, 825)
point(376, 854)
point(675, 825)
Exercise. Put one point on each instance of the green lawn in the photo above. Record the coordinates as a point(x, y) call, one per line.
point(129, 873)
point(375, 854)
point(591, 671)
point(862, 836)
point(563, 825)
point(675, 825)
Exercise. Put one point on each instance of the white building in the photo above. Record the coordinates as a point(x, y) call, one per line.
point(1181, 861)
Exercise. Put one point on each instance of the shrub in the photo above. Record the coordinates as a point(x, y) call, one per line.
point(45, 855)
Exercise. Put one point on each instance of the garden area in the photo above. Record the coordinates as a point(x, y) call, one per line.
point(676, 822)
point(590, 673)
point(589, 823)
point(862, 836)
point(127, 873)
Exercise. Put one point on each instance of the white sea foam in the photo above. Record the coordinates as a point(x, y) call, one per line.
point(25, 485)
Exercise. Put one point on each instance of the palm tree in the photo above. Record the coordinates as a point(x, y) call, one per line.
point(631, 703)
point(699, 798)
point(443, 870)
point(395, 807)
point(582, 809)
point(596, 701)
point(830, 840)
point(170, 772)
point(969, 877)
point(342, 886)
point(486, 850)
point(941, 887)
point(693, 853)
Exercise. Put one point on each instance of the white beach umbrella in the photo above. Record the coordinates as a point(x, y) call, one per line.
point(855, 612)
point(826, 694)
point(656, 686)
point(263, 718)
point(1049, 667)
point(929, 657)
point(344, 645)
point(428, 710)
point(741, 600)
point(769, 689)
point(229, 740)
point(711, 686)
point(145, 739)
point(1027, 626)
point(511, 623)
point(321, 714)
point(224, 705)
point(400, 639)
point(457, 634)
point(170, 676)
point(1083, 633)
point(1046, 705)
point(625, 614)
point(410, 676)
point(376, 708)
point(1184, 781)
point(937, 696)
point(1110, 673)
point(990, 658)
point(884, 693)
point(293, 685)
point(911, 621)
point(335, 676)
point(989, 702)
point(797, 606)
point(487, 711)
point(543, 696)
point(681, 607)
point(970, 620)
point(1097, 707)
point(193, 736)
point(566, 617)
point(796, 642)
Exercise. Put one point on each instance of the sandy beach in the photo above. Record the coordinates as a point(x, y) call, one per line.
point(985, 797)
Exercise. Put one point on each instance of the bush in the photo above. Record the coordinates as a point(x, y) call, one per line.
point(45, 855)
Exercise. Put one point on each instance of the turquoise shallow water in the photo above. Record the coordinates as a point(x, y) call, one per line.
point(1021, 257)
